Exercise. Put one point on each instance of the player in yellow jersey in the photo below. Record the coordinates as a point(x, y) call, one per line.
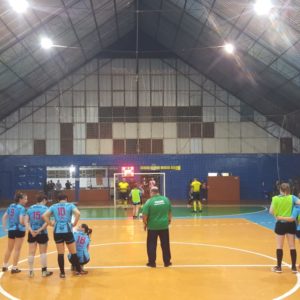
point(123, 191)
point(195, 190)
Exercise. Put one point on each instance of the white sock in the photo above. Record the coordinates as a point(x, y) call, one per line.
point(43, 258)
point(30, 262)
point(14, 267)
point(5, 265)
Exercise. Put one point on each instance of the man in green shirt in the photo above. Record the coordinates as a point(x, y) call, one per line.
point(157, 216)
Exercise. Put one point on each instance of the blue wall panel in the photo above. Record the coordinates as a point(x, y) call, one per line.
point(253, 169)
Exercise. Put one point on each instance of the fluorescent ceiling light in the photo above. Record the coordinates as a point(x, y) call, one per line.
point(46, 43)
point(19, 6)
point(263, 7)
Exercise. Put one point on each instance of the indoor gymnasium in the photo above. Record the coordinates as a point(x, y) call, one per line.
point(150, 149)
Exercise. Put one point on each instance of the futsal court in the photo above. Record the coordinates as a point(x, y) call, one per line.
point(103, 102)
point(225, 253)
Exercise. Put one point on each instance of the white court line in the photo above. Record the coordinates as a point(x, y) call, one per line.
point(288, 293)
point(173, 266)
point(3, 291)
point(291, 291)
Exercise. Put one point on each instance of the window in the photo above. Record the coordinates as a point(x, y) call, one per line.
point(157, 146)
point(118, 147)
point(66, 131)
point(183, 130)
point(118, 114)
point(131, 114)
point(105, 130)
point(39, 147)
point(131, 146)
point(196, 130)
point(286, 145)
point(145, 146)
point(66, 147)
point(92, 130)
point(208, 130)
point(157, 114)
point(105, 114)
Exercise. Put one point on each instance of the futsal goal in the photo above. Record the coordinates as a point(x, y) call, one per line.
point(143, 180)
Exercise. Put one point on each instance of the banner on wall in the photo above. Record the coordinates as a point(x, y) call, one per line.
point(160, 168)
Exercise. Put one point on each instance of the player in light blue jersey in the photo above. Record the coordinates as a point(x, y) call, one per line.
point(62, 213)
point(37, 234)
point(82, 238)
point(13, 218)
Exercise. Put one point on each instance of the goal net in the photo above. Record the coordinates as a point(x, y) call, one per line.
point(143, 180)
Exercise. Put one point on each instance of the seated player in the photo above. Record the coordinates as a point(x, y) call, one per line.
point(37, 234)
point(136, 195)
point(123, 191)
point(82, 239)
point(195, 190)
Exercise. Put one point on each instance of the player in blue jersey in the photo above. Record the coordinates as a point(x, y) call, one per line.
point(14, 219)
point(62, 213)
point(82, 238)
point(37, 234)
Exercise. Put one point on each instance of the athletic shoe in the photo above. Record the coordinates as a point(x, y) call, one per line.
point(151, 265)
point(82, 272)
point(46, 273)
point(168, 264)
point(294, 270)
point(31, 274)
point(4, 269)
point(15, 271)
point(276, 269)
point(62, 275)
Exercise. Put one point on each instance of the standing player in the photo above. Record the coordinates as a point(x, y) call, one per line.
point(152, 183)
point(281, 207)
point(15, 215)
point(123, 190)
point(82, 238)
point(62, 213)
point(136, 196)
point(195, 190)
point(37, 234)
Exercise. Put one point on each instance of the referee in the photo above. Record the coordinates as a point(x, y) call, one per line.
point(157, 217)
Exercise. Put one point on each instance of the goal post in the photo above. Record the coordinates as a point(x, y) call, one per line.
point(142, 179)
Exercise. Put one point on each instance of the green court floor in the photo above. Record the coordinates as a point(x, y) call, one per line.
point(178, 212)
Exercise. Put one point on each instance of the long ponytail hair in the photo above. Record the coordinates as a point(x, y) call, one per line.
point(87, 230)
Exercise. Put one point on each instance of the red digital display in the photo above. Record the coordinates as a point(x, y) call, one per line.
point(127, 171)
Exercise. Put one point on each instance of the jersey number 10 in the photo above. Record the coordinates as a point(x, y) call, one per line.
point(61, 211)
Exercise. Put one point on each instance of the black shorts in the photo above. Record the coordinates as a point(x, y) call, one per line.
point(12, 234)
point(84, 262)
point(41, 238)
point(298, 234)
point(124, 195)
point(136, 203)
point(196, 195)
point(67, 238)
point(282, 228)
